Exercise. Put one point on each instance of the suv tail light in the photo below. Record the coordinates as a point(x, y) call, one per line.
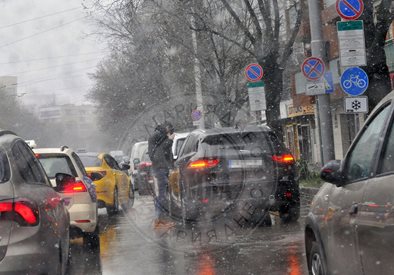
point(72, 187)
point(24, 212)
point(283, 159)
point(203, 164)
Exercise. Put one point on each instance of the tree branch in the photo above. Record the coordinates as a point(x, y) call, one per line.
point(238, 21)
point(254, 19)
point(289, 45)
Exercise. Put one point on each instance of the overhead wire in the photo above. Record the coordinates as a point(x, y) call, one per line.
point(53, 57)
point(38, 18)
point(38, 33)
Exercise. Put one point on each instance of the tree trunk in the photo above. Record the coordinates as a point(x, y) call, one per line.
point(273, 79)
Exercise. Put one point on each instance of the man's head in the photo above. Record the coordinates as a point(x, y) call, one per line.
point(169, 127)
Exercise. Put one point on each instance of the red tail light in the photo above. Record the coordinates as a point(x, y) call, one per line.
point(283, 159)
point(144, 164)
point(203, 164)
point(22, 211)
point(72, 187)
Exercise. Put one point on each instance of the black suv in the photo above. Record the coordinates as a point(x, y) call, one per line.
point(239, 169)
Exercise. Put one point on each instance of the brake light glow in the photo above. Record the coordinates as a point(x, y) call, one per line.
point(19, 209)
point(74, 187)
point(203, 163)
point(283, 159)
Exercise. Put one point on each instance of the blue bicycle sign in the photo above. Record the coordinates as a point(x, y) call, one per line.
point(354, 81)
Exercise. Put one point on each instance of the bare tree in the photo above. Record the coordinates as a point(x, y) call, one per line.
point(262, 24)
point(378, 16)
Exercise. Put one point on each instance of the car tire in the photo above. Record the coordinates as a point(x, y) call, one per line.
point(316, 264)
point(114, 209)
point(91, 240)
point(289, 214)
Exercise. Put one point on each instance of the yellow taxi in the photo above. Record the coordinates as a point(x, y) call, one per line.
point(113, 185)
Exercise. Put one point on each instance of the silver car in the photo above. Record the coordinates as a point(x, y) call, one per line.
point(350, 227)
point(34, 223)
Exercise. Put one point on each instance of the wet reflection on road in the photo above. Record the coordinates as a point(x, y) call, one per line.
point(130, 245)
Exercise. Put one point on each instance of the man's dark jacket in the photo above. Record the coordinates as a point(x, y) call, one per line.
point(160, 149)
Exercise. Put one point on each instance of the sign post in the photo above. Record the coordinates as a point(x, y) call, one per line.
point(356, 104)
point(256, 92)
point(352, 43)
point(354, 81)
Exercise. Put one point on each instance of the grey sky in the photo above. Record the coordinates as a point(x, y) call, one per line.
point(50, 55)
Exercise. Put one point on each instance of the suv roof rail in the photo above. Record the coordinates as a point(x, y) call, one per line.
point(64, 147)
point(6, 132)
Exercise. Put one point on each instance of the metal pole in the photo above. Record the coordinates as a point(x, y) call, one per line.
point(324, 110)
point(197, 77)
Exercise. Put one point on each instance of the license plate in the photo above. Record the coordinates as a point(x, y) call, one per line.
point(245, 163)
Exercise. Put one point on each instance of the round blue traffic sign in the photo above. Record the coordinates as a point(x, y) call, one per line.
point(350, 9)
point(313, 68)
point(196, 115)
point(354, 81)
point(254, 72)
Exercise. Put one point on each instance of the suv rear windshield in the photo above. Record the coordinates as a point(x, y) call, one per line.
point(54, 164)
point(252, 143)
point(90, 161)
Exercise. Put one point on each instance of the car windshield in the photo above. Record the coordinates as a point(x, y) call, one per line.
point(57, 164)
point(90, 161)
point(214, 136)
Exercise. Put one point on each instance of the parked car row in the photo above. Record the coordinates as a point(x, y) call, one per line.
point(46, 197)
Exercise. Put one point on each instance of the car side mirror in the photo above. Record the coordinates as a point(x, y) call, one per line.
point(136, 162)
point(331, 172)
point(124, 167)
point(62, 181)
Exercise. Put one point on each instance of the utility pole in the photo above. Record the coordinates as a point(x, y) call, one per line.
point(197, 76)
point(323, 101)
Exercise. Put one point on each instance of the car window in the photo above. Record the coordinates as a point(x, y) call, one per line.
point(79, 163)
point(387, 159)
point(54, 164)
point(28, 166)
point(111, 162)
point(191, 145)
point(360, 159)
point(145, 156)
point(178, 145)
point(4, 167)
point(248, 143)
point(90, 161)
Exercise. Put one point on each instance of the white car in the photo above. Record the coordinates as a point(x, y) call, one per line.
point(79, 195)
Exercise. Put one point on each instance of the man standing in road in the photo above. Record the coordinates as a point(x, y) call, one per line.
point(160, 153)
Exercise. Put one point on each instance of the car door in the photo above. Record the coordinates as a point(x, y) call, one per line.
point(344, 202)
point(32, 184)
point(121, 178)
point(187, 151)
point(375, 220)
point(6, 196)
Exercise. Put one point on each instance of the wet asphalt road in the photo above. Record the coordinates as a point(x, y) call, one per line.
point(130, 245)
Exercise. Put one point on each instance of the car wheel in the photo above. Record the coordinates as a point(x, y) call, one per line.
point(91, 240)
point(288, 214)
point(112, 210)
point(317, 265)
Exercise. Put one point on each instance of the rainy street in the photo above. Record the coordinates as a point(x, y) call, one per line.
point(130, 245)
